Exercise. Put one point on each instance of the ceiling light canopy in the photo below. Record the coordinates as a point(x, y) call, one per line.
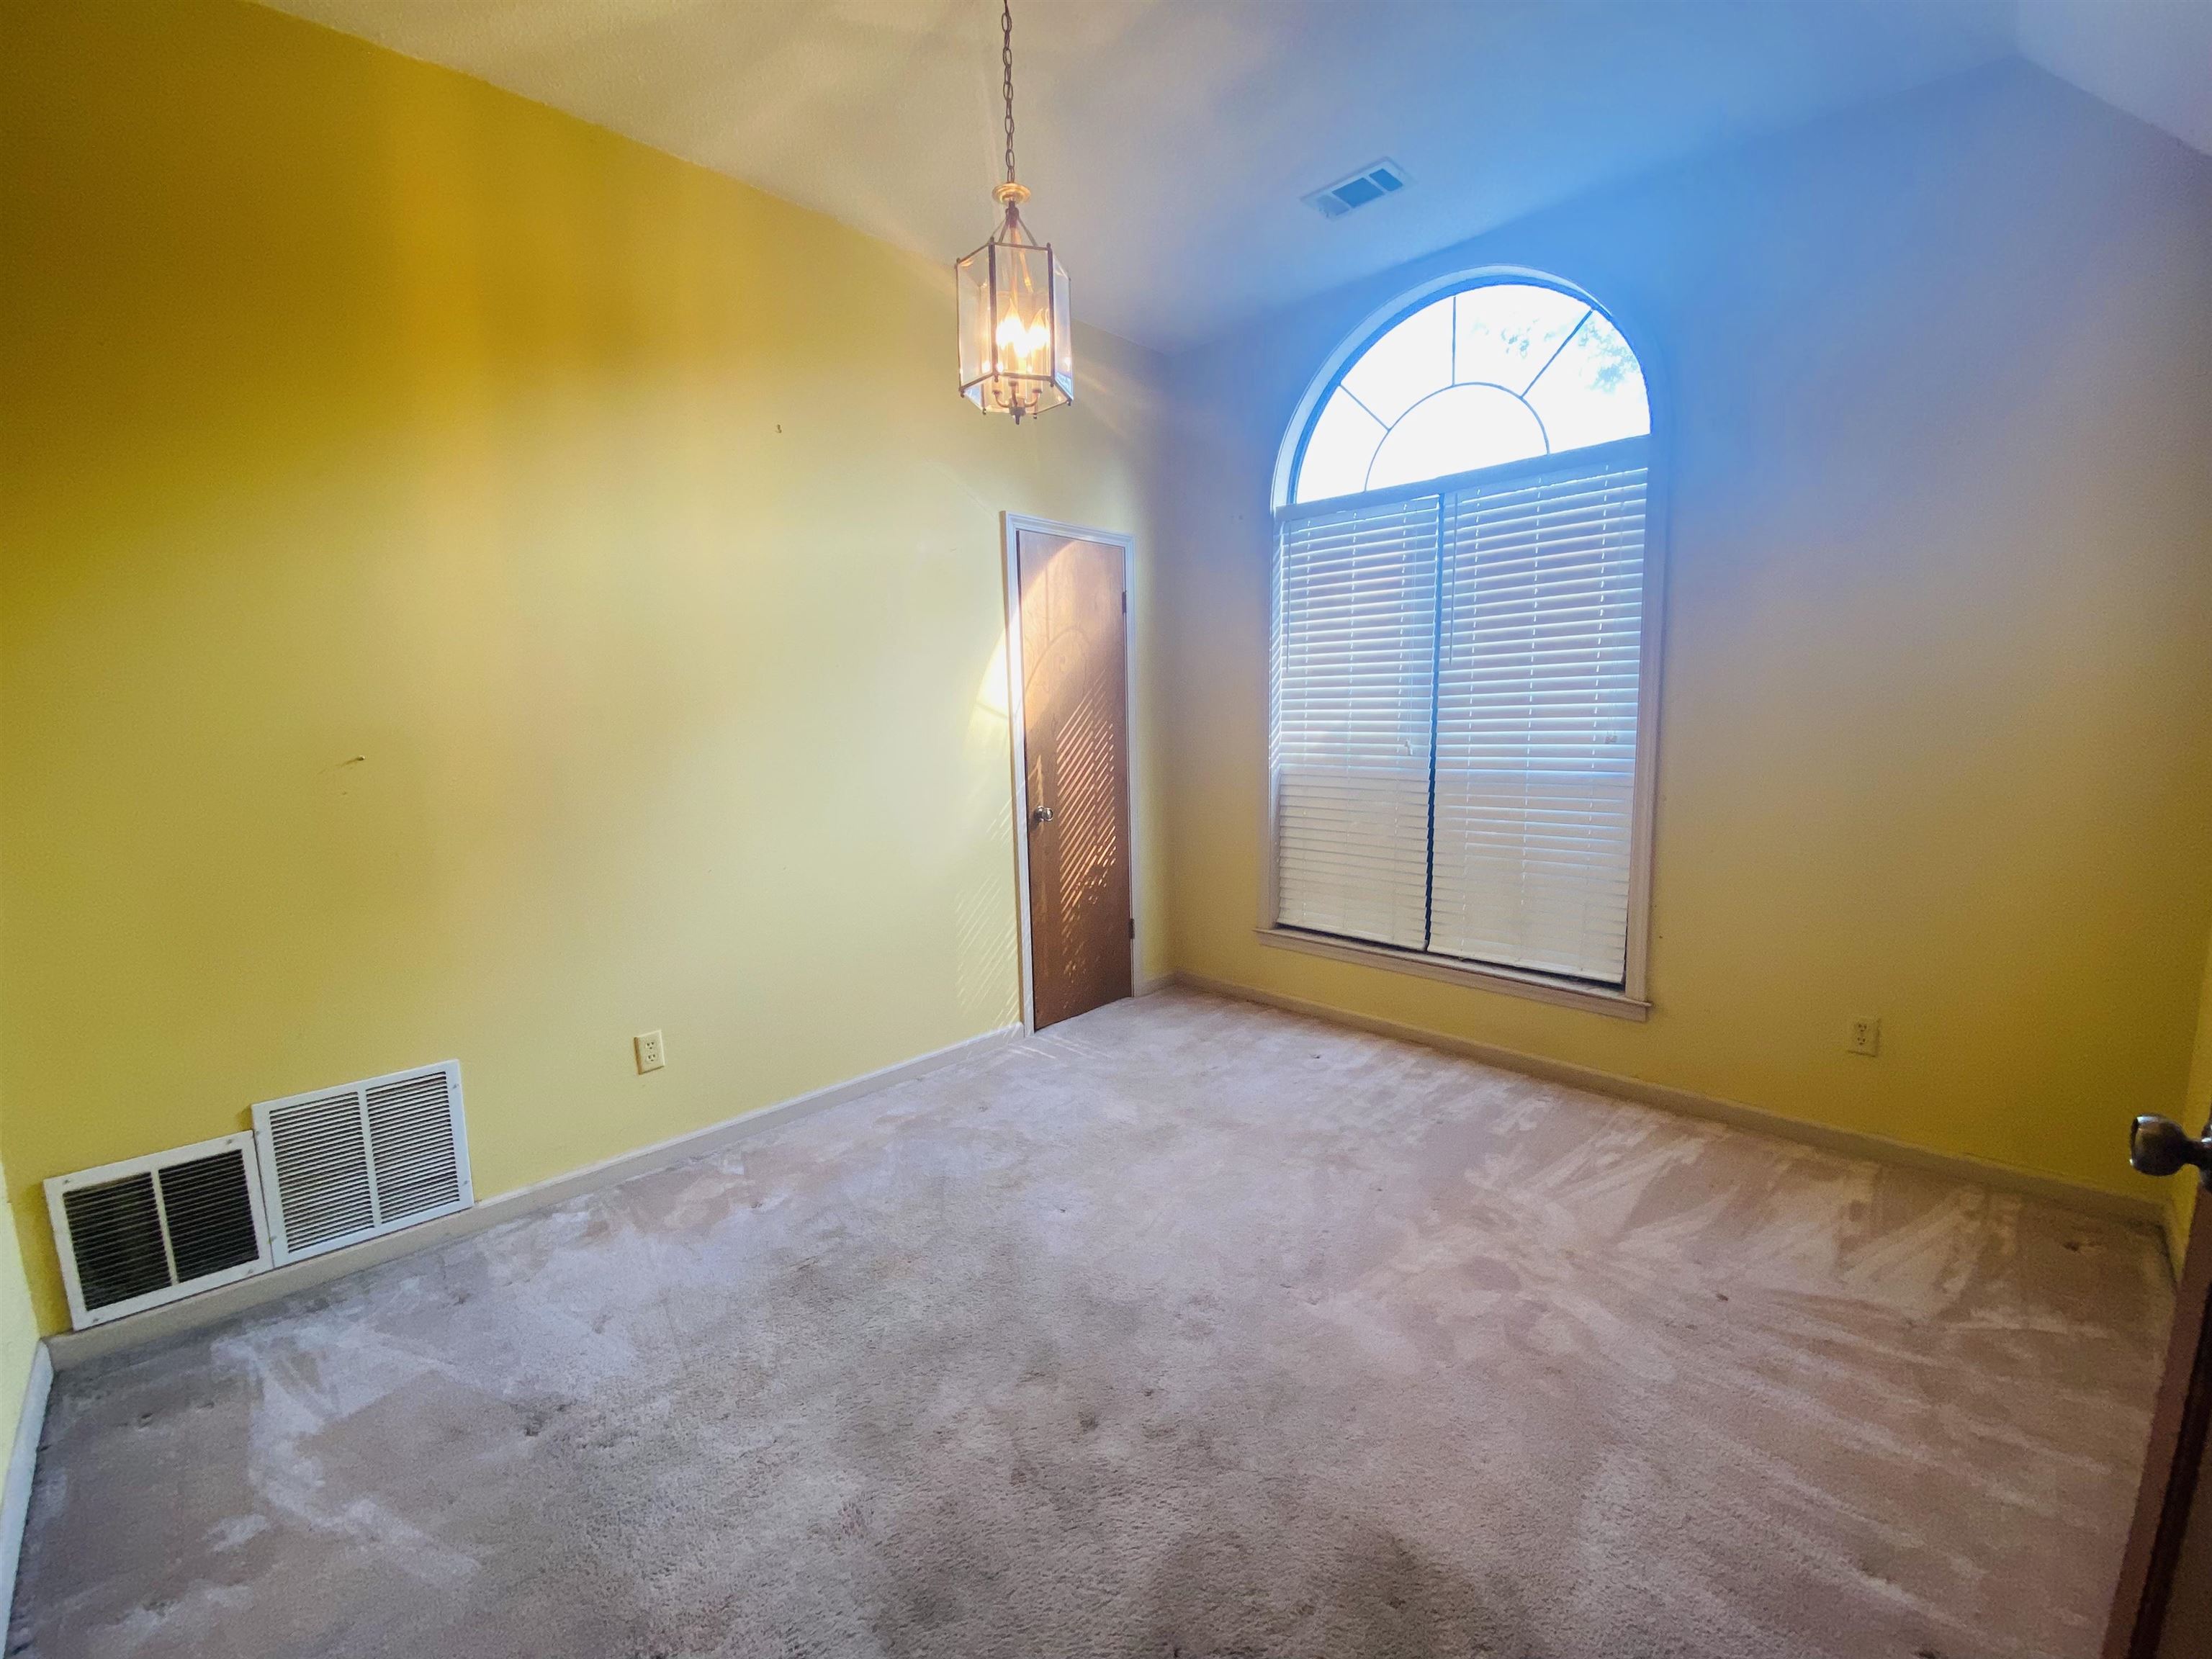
point(1017, 354)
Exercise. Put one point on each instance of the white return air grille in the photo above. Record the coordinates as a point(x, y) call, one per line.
point(134, 1234)
point(1371, 183)
point(347, 1164)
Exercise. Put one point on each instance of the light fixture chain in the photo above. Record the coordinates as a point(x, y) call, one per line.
point(1007, 86)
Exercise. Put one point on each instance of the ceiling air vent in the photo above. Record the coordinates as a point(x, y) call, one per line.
point(1370, 183)
point(134, 1234)
point(348, 1164)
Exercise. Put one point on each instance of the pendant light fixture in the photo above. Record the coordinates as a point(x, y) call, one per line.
point(1015, 355)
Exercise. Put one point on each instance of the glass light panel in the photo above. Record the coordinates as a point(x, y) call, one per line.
point(1063, 334)
point(1017, 350)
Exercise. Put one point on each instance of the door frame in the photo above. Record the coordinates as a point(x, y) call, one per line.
point(1011, 526)
point(2171, 1490)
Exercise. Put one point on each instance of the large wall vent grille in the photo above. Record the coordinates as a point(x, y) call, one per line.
point(138, 1234)
point(348, 1164)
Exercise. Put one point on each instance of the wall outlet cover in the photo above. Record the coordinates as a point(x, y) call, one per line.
point(651, 1052)
point(1863, 1037)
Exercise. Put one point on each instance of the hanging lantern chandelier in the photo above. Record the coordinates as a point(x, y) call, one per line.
point(1016, 355)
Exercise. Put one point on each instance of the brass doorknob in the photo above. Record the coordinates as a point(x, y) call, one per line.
point(2158, 1147)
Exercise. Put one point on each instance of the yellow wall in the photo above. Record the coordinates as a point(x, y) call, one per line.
point(476, 586)
point(471, 586)
point(1936, 739)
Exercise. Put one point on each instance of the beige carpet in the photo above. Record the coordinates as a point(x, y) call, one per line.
point(1189, 1328)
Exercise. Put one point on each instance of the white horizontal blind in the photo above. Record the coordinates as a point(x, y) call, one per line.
point(1354, 676)
point(1537, 693)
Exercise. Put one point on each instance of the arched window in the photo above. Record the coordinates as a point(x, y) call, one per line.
point(1492, 373)
point(1460, 752)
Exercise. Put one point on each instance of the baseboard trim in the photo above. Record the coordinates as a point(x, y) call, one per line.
point(74, 1348)
point(2147, 1212)
point(22, 1465)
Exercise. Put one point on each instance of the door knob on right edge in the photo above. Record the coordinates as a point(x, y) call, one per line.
point(2158, 1147)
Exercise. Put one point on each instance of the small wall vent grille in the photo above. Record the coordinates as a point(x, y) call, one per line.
point(348, 1164)
point(1370, 183)
point(134, 1234)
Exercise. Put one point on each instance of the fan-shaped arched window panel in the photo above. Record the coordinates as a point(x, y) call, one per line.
point(1493, 373)
point(1462, 699)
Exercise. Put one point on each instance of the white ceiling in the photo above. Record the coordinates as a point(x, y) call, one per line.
point(2150, 57)
point(1168, 141)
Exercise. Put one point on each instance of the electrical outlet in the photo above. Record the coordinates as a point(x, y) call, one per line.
point(652, 1054)
point(1863, 1037)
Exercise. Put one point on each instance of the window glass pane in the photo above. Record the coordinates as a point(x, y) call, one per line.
point(1553, 375)
point(1406, 365)
point(1460, 428)
point(1355, 668)
point(1457, 680)
point(1338, 453)
point(1593, 393)
point(1504, 332)
point(1537, 690)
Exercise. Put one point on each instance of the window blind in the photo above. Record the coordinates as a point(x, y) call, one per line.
point(1537, 684)
point(1354, 684)
point(1455, 692)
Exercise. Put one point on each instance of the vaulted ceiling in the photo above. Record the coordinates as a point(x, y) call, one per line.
point(1169, 141)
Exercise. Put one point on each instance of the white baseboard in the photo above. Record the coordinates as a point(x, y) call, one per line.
point(74, 1348)
point(2148, 1210)
point(23, 1464)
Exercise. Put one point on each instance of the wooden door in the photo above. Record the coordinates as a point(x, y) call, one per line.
point(2162, 1608)
point(1075, 727)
